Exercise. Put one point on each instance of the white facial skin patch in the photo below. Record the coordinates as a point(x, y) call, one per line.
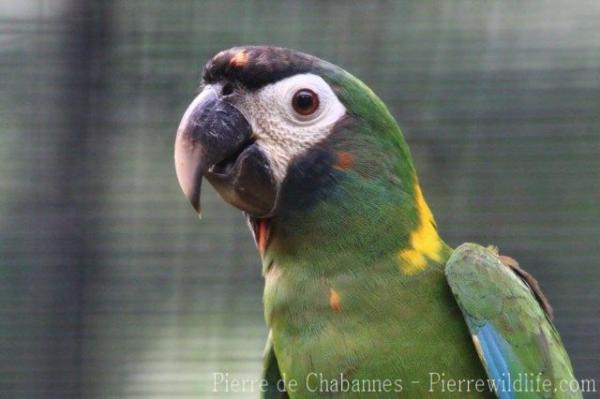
point(279, 130)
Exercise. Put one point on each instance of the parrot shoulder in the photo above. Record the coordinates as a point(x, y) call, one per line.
point(510, 322)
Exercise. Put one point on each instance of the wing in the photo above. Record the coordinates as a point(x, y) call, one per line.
point(271, 374)
point(514, 337)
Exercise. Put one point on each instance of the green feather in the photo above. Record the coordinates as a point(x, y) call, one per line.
point(342, 293)
point(502, 312)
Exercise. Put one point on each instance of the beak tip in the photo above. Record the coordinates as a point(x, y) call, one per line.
point(195, 201)
point(189, 175)
point(197, 208)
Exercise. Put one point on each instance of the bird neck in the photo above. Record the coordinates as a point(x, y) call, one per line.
point(358, 222)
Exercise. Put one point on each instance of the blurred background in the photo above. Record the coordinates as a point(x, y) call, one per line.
point(110, 287)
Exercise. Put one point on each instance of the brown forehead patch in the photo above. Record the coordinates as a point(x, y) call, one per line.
point(256, 66)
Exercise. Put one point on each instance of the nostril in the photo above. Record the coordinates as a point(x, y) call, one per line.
point(227, 89)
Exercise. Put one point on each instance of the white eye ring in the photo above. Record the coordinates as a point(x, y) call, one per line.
point(309, 118)
point(305, 102)
point(277, 98)
point(308, 85)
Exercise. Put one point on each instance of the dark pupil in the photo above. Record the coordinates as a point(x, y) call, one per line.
point(304, 100)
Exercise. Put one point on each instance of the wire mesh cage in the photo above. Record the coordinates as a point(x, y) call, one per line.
point(110, 287)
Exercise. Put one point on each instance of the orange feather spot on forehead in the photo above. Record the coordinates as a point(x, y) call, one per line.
point(334, 300)
point(240, 59)
point(344, 161)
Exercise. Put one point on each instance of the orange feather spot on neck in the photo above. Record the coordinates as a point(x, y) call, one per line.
point(344, 161)
point(334, 300)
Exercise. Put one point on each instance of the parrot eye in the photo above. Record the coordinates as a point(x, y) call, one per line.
point(305, 102)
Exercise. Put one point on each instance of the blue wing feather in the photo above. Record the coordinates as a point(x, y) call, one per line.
point(495, 358)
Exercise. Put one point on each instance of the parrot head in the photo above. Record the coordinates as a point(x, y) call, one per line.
point(276, 132)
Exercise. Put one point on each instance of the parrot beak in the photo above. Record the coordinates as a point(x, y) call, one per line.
point(214, 140)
